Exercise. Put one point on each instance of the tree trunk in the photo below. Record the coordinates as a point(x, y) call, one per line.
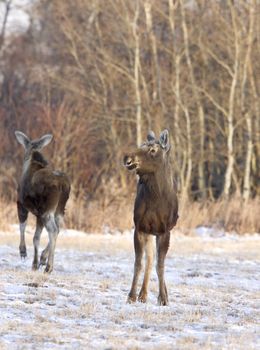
point(200, 111)
point(5, 17)
point(246, 184)
point(249, 150)
point(137, 77)
point(230, 116)
point(157, 91)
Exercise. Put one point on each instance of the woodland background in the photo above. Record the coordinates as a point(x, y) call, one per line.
point(98, 74)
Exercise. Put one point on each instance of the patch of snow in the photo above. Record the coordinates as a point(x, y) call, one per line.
point(72, 233)
point(18, 18)
point(82, 304)
point(203, 231)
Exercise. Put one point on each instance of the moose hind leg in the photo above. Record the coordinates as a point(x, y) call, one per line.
point(36, 242)
point(162, 246)
point(44, 255)
point(22, 215)
point(45, 252)
point(52, 229)
point(139, 251)
point(148, 267)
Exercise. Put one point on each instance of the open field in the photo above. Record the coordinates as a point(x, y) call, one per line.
point(212, 278)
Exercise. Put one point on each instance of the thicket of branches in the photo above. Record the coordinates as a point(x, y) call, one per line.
point(99, 74)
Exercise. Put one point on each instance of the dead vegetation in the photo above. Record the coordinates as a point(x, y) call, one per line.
point(99, 85)
point(233, 215)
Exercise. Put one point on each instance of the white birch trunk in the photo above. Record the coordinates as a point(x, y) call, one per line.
point(230, 116)
point(249, 151)
point(137, 77)
point(201, 116)
point(149, 24)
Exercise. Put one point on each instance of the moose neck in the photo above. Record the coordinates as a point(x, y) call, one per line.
point(159, 182)
point(33, 161)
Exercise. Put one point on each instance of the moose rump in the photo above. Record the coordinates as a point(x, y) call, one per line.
point(48, 192)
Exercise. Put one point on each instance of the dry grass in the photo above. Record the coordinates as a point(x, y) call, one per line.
point(7, 214)
point(95, 215)
point(233, 215)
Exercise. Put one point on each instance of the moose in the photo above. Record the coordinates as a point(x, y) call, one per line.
point(44, 193)
point(155, 210)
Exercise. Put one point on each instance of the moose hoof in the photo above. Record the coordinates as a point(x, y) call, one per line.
point(142, 298)
point(35, 266)
point(131, 299)
point(43, 259)
point(48, 269)
point(23, 253)
point(162, 301)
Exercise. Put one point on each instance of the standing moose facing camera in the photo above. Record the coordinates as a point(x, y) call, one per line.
point(44, 193)
point(155, 210)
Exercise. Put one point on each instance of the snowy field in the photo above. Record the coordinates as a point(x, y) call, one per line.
point(213, 285)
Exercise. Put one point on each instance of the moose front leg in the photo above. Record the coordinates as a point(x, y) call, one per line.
point(139, 244)
point(148, 267)
point(162, 246)
point(22, 215)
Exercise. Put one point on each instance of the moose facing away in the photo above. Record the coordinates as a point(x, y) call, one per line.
point(155, 210)
point(44, 193)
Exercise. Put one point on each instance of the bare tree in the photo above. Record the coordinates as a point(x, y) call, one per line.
point(7, 8)
point(249, 148)
point(200, 110)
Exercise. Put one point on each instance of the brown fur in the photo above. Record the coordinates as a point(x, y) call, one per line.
point(155, 209)
point(43, 190)
point(44, 193)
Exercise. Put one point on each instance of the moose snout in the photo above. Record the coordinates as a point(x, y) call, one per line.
point(129, 162)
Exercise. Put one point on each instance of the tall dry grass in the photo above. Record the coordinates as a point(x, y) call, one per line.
point(114, 212)
point(8, 214)
point(232, 215)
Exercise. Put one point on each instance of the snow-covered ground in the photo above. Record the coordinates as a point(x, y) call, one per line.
point(213, 285)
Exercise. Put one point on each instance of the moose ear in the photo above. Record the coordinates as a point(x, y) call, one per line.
point(150, 136)
point(42, 142)
point(22, 139)
point(164, 140)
